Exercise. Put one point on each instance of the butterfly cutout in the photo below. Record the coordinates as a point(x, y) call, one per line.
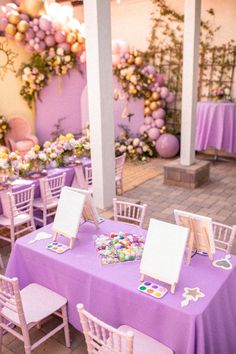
point(223, 263)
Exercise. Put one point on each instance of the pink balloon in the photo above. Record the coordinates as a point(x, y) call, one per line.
point(45, 23)
point(36, 21)
point(37, 40)
point(65, 46)
point(142, 129)
point(25, 17)
point(124, 46)
point(154, 133)
point(115, 47)
point(83, 57)
point(151, 69)
point(160, 80)
point(115, 59)
point(3, 23)
point(148, 120)
point(29, 34)
point(28, 47)
point(2, 10)
point(32, 42)
point(159, 123)
point(40, 34)
point(167, 145)
point(35, 28)
point(36, 47)
point(159, 113)
point(60, 37)
point(153, 125)
point(11, 6)
point(42, 46)
point(164, 92)
point(50, 41)
point(170, 98)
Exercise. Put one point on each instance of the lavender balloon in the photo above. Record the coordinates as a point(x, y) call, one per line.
point(159, 113)
point(60, 37)
point(148, 120)
point(142, 129)
point(164, 92)
point(45, 23)
point(3, 23)
point(40, 34)
point(50, 41)
point(154, 133)
point(170, 98)
point(29, 34)
point(64, 46)
point(167, 146)
point(159, 123)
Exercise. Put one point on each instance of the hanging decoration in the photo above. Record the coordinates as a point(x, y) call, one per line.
point(7, 59)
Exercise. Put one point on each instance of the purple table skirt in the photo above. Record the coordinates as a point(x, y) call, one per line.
point(110, 292)
point(216, 126)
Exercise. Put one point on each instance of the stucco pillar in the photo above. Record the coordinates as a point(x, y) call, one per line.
point(192, 18)
point(100, 99)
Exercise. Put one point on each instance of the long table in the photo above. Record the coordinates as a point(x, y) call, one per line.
point(110, 291)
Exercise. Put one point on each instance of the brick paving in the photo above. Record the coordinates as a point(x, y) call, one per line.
point(216, 199)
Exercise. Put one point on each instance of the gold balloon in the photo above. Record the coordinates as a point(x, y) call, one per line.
point(32, 7)
point(3, 150)
point(13, 17)
point(23, 26)
point(153, 106)
point(75, 48)
point(131, 60)
point(158, 104)
point(71, 38)
point(155, 96)
point(147, 111)
point(138, 61)
point(19, 37)
point(79, 38)
point(10, 29)
point(147, 102)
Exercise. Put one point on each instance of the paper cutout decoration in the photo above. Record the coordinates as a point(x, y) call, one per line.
point(191, 294)
point(201, 237)
point(41, 236)
point(73, 204)
point(223, 263)
point(163, 252)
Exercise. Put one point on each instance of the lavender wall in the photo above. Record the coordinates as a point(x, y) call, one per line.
point(72, 103)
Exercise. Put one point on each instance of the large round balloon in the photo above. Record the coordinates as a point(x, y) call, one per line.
point(167, 146)
point(32, 7)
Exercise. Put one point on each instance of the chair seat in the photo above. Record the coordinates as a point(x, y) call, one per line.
point(24, 145)
point(38, 303)
point(38, 203)
point(18, 219)
point(145, 344)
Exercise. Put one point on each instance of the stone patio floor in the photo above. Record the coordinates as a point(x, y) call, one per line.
point(216, 199)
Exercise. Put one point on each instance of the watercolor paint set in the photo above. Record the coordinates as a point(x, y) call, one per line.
point(152, 289)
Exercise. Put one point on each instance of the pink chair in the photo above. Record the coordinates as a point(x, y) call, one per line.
point(17, 213)
point(102, 338)
point(129, 212)
point(26, 308)
point(19, 136)
point(50, 189)
point(224, 236)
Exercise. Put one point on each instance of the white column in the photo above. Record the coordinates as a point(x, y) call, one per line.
point(100, 99)
point(192, 18)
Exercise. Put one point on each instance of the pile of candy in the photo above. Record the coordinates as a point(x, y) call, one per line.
point(119, 247)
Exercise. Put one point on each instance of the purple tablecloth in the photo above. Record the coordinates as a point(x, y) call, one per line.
point(110, 292)
point(216, 126)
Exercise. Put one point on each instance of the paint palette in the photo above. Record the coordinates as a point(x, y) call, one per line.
point(57, 247)
point(152, 289)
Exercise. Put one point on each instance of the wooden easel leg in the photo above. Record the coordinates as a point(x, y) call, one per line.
point(55, 234)
point(172, 289)
point(142, 277)
point(72, 241)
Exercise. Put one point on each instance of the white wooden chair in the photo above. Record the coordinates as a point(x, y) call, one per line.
point(129, 212)
point(19, 218)
point(224, 236)
point(102, 338)
point(88, 179)
point(50, 189)
point(27, 307)
point(119, 168)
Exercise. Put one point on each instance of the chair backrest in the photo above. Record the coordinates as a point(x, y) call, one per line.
point(224, 236)
point(20, 128)
point(88, 177)
point(50, 187)
point(10, 300)
point(102, 338)
point(21, 201)
point(129, 212)
point(119, 165)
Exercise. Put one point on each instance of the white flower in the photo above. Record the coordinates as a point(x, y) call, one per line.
point(227, 91)
point(122, 148)
point(136, 142)
point(25, 77)
point(130, 148)
point(60, 51)
point(42, 156)
point(31, 155)
point(145, 148)
point(27, 70)
point(41, 77)
point(67, 58)
point(53, 155)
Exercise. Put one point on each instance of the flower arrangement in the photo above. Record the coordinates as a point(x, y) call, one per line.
point(137, 148)
point(9, 165)
point(59, 62)
point(219, 92)
point(83, 147)
point(4, 128)
point(36, 159)
point(34, 76)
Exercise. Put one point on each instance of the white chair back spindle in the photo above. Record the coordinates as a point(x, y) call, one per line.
point(119, 168)
point(129, 212)
point(224, 236)
point(88, 178)
point(21, 202)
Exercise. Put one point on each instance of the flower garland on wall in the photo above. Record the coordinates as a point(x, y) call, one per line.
point(55, 38)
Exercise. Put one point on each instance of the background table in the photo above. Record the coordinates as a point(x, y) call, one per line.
point(216, 126)
point(110, 292)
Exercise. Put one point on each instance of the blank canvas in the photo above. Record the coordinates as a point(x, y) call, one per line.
point(163, 251)
point(69, 210)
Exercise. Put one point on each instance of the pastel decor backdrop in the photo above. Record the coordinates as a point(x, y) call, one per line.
point(60, 101)
point(11, 103)
point(167, 146)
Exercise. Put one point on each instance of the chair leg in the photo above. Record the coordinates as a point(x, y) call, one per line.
point(1, 335)
point(66, 328)
point(44, 217)
point(12, 233)
point(27, 344)
point(1, 262)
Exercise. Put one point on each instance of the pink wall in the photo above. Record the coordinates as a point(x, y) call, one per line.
point(71, 103)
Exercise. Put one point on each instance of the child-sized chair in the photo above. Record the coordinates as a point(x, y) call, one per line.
point(104, 339)
point(224, 236)
point(28, 307)
point(129, 212)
